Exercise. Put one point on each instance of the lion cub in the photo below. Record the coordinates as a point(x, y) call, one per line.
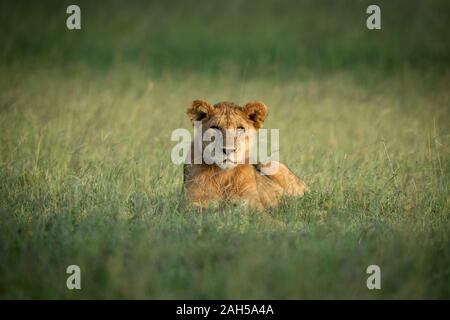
point(230, 176)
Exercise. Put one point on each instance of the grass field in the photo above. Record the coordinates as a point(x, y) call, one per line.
point(86, 177)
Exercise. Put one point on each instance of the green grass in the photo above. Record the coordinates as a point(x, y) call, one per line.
point(85, 170)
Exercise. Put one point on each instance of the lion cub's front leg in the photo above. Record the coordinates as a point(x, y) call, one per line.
point(206, 187)
point(250, 198)
point(201, 197)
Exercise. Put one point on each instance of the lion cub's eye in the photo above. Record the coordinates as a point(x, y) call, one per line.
point(240, 130)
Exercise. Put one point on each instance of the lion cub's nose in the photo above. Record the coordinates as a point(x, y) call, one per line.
point(227, 150)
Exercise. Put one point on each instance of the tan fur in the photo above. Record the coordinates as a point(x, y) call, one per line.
point(206, 184)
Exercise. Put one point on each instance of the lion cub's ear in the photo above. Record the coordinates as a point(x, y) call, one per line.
point(257, 113)
point(199, 110)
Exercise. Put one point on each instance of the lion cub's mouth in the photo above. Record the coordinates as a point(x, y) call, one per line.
point(227, 164)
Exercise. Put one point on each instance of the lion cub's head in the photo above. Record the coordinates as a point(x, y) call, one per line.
point(234, 125)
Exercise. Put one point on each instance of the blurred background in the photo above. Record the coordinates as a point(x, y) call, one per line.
point(273, 38)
